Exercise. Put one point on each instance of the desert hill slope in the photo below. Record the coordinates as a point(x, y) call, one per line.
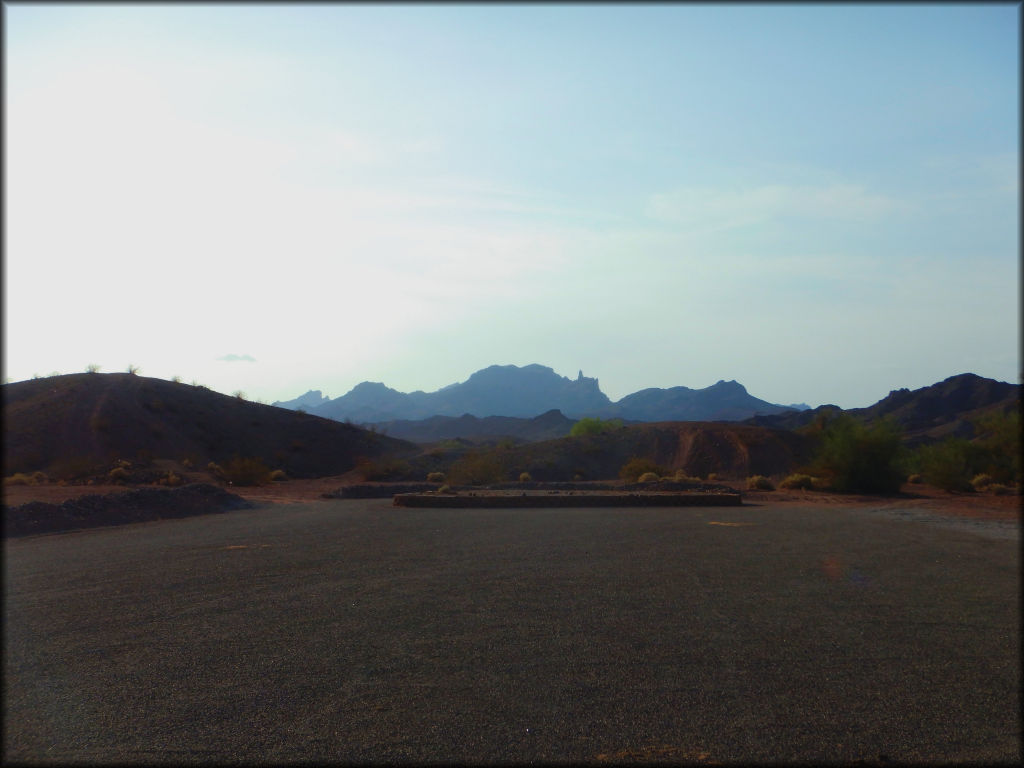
point(77, 423)
point(547, 426)
point(698, 448)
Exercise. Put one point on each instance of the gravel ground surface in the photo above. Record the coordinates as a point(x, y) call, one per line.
point(354, 631)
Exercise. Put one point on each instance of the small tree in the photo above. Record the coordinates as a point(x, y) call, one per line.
point(859, 458)
point(592, 426)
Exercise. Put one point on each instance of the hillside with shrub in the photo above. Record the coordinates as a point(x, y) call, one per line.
point(81, 424)
point(692, 448)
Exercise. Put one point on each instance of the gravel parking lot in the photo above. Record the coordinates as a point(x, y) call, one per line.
point(355, 631)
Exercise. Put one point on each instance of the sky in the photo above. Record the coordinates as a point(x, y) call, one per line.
point(820, 202)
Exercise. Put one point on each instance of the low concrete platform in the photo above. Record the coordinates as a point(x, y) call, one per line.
point(540, 499)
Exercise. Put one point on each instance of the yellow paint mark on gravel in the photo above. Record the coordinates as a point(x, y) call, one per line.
point(715, 522)
point(652, 752)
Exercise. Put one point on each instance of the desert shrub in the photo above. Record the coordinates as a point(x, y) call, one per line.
point(169, 479)
point(133, 369)
point(524, 477)
point(216, 470)
point(435, 477)
point(118, 475)
point(981, 482)
point(591, 426)
point(246, 471)
point(948, 464)
point(858, 458)
point(445, 489)
point(20, 478)
point(187, 463)
point(382, 470)
point(278, 475)
point(649, 477)
point(680, 476)
point(797, 482)
point(637, 466)
point(238, 394)
point(477, 468)
point(915, 479)
point(92, 368)
point(713, 477)
point(759, 483)
point(999, 489)
point(176, 379)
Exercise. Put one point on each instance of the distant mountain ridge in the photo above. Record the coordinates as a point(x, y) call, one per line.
point(531, 390)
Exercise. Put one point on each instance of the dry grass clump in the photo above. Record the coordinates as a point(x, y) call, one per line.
point(524, 477)
point(435, 477)
point(118, 475)
point(797, 482)
point(759, 483)
point(998, 489)
point(915, 479)
point(278, 475)
point(20, 478)
point(649, 477)
point(981, 482)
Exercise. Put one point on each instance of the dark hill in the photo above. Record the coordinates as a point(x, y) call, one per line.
point(933, 412)
point(71, 425)
point(723, 401)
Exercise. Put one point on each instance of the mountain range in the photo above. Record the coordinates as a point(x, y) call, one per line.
point(531, 390)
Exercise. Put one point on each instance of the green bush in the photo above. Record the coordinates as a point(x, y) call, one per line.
point(855, 457)
point(635, 467)
point(759, 483)
point(797, 482)
point(591, 426)
point(949, 464)
point(246, 471)
point(998, 445)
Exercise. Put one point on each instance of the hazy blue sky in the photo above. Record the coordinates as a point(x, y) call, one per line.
point(820, 202)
